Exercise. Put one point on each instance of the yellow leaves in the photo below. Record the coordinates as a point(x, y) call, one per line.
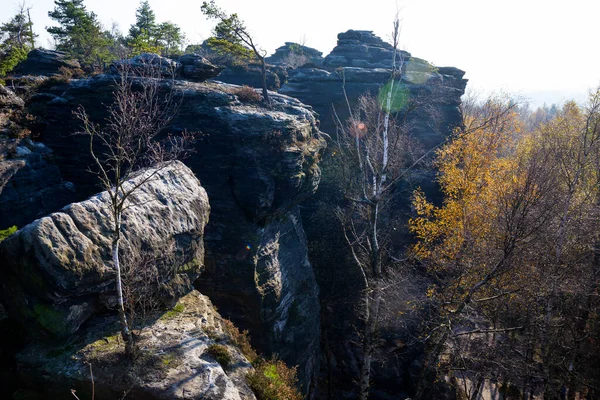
point(476, 171)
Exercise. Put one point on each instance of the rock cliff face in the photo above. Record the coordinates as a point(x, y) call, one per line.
point(31, 186)
point(56, 272)
point(257, 165)
point(363, 61)
point(174, 360)
point(429, 98)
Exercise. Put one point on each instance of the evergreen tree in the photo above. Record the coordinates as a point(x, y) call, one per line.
point(79, 33)
point(16, 40)
point(170, 38)
point(143, 34)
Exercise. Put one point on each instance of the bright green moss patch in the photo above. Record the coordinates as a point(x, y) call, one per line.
point(7, 232)
point(175, 311)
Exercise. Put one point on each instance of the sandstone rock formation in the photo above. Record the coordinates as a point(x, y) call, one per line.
point(257, 165)
point(198, 68)
point(162, 66)
point(363, 61)
point(31, 186)
point(8, 99)
point(45, 62)
point(290, 52)
point(174, 362)
point(56, 272)
point(251, 75)
point(431, 97)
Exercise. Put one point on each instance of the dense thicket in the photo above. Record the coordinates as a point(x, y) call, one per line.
point(514, 253)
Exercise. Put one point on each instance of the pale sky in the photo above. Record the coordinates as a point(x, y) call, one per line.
point(544, 49)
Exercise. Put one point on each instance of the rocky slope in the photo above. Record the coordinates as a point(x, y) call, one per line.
point(56, 272)
point(175, 360)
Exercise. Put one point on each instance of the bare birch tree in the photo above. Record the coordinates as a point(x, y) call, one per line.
point(375, 150)
point(125, 145)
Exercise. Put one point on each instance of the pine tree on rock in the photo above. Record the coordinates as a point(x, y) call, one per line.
point(16, 40)
point(79, 33)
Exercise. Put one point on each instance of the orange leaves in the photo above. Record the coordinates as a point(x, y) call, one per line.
point(477, 169)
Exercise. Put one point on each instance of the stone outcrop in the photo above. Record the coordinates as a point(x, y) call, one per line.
point(31, 186)
point(198, 68)
point(257, 164)
point(174, 361)
point(363, 60)
point(148, 63)
point(294, 53)
point(189, 66)
point(361, 49)
point(45, 62)
point(56, 272)
point(8, 99)
point(251, 75)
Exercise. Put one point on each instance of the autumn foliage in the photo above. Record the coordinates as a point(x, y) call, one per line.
point(514, 251)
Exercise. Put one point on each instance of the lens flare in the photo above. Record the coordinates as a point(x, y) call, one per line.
point(248, 247)
point(400, 96)
point(359, 130)
point(418, 71)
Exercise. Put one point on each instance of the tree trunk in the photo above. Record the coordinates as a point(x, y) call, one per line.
point(372, 310)
point(264, 82)
point(125, 331)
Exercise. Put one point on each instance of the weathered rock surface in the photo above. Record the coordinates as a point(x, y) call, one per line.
point(8, 99)
point(144, 62)
point(251, 75)
point(291, 52)
point(31, 186)
point(363, 60)
point(362, 49)
point(198, 68)
point(174, 360)
point(45, 62)
point(56, 272)
point(257, 165)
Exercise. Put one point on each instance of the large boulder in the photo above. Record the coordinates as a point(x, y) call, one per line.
point(8, 99)
point(57, 271)
point(257, 164)
point(198, 68)
point(45, 62)
point(148, 64)
point(294, 54)
point(251, 75)
point(174, 362)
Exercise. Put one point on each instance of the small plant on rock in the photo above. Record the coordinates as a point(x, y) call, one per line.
point(273, 380)
point(220, 354)
point(246, 94)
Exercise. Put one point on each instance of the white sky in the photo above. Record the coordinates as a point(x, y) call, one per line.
point(545, 49)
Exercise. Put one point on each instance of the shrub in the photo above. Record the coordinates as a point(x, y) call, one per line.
point(7, 232)
point(18, 131)
point(240, 339)
point(71, 72)
point(246, 94)
point(54, 81)
point(273, 380)
point(220, 354)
